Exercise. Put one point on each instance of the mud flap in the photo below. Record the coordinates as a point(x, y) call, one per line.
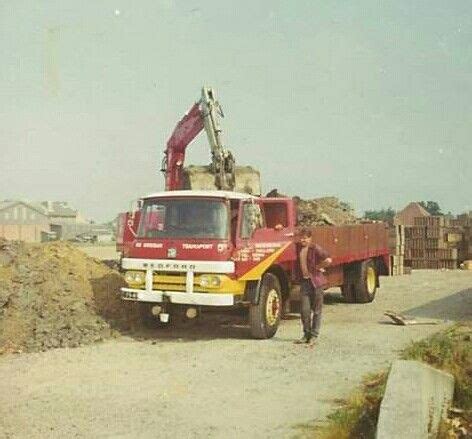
point(252, 292)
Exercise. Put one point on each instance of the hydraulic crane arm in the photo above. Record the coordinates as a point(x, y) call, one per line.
point(222, 161)
point(203, 115)
point(186, 130)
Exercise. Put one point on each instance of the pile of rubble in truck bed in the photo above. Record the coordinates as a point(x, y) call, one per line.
point(321, 211)
point(54, 295)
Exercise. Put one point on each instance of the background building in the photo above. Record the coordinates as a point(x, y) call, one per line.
point(65, 221)
point(20, 220)
point(38, 222)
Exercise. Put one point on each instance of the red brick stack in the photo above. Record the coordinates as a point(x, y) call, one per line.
point(464, 221)
point(434, 242)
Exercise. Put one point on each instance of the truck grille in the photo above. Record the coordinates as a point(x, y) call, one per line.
point(173, 282)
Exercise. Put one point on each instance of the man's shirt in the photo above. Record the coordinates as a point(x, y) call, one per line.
point(314, 255)
point(304, 262)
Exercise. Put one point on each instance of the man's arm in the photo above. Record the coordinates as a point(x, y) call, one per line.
point(324, 263)
point(322, 256)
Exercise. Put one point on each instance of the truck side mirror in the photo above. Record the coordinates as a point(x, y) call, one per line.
point(135, 206)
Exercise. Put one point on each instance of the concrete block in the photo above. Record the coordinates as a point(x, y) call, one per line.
point(416, 397)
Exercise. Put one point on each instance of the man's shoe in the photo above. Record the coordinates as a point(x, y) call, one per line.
point(303, 340)
point(311, 342)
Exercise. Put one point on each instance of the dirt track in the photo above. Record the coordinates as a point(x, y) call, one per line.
point(212, 381)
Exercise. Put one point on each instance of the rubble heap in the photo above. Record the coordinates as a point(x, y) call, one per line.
point(326, 210)
point(321, 211)
point(54, 295)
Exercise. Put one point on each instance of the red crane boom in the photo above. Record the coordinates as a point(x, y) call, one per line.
point(186, 130)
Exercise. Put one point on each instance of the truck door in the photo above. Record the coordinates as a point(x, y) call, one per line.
point(279, 221)
point(258, 241)
point(127, 227)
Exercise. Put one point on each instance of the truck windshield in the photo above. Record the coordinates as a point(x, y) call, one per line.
point(184, 218)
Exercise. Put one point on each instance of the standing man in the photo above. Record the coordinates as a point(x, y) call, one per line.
point(312, 260)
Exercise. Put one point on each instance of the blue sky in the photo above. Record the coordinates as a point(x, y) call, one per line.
point(369, 101)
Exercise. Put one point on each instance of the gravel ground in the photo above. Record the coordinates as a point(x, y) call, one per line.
point(211, 380)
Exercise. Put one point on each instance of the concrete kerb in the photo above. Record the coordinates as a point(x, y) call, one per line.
point(416, 397)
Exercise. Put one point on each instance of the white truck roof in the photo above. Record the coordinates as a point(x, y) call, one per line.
point(212, 194)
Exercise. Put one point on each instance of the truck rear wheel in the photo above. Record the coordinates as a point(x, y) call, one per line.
point(366, 282)
point(348, 292)
point(348, 289)
point(264, 318)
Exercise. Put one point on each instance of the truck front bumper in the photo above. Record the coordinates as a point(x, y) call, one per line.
point(178, 297)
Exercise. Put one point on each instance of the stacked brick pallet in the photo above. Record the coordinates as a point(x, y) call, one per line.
point(434, 242)
point(396, 242)
point(464, 221)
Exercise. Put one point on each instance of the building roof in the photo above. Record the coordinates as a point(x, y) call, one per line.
point(407, 216)
point(59, 209)
point(210, 194)
point(34, 206)
point(5, 204)
point(63, 211)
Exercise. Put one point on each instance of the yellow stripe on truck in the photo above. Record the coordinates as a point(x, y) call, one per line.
point(256, 272)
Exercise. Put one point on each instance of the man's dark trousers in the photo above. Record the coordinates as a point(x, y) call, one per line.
point(311, 299)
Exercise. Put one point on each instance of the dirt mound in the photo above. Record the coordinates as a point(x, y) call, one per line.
point(326, 210)
point(53, 295)
point(321, 211)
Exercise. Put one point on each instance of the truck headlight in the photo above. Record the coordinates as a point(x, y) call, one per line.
point(207, 281)
point(215, 281)
point(204, 281)
point(134, 277)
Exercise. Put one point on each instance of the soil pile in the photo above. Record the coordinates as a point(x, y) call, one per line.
point(326, 210)
point(321, 211)
point(54, 295)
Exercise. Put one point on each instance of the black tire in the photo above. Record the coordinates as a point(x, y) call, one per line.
point(347, 289)
point(264, 318)
point(348, 292)
point(366, 282)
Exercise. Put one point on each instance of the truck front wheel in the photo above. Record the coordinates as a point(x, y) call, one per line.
point(366, 282)
point(264, 318)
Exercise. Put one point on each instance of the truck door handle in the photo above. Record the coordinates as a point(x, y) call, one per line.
point(289, 235)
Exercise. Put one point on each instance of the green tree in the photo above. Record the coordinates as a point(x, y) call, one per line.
point(380, 215)
point(432, 207)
